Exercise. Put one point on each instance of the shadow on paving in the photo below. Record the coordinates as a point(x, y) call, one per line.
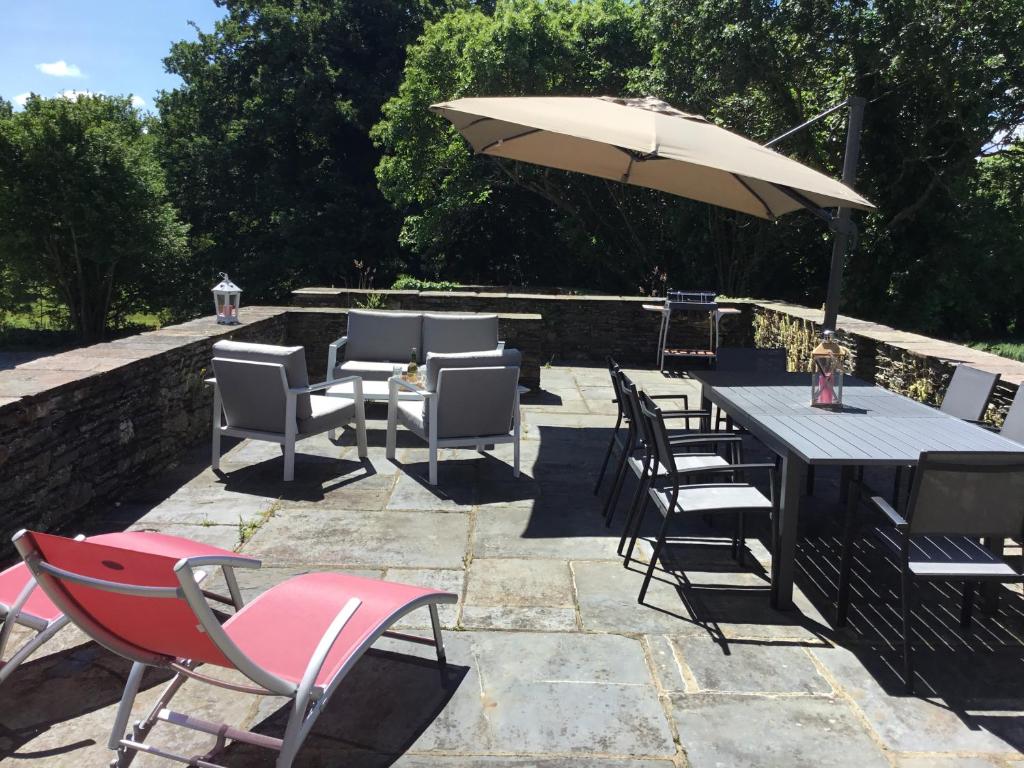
point(378, 711)
point(61, 686)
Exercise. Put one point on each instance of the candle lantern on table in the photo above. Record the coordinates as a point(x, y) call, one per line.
point(226, 298)
point(827, 373)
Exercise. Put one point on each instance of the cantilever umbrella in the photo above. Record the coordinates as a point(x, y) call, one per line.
point(648, 143)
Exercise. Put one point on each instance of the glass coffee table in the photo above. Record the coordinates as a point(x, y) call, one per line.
point(374, 391)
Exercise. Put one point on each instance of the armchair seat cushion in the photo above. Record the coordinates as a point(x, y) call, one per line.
point(383, 336)
point(411, 415)
point(368, 370)
point(327, 413)
point(446, 333)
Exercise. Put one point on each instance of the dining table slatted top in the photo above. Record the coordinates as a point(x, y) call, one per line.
point(874, 426)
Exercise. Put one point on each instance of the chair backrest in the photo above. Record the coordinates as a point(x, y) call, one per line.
point(968, 493)
point(383, 336)
point(491, 358)
point(657, 433)
point(292, 358)
point(252, 394)
point(473, 402)
point(637, 421)
point(771, 359)
point(450, 332)
point(1013, 425)
point(150, 621)
point(968, 392)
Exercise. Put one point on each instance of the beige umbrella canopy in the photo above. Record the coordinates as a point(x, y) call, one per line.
point(648, 143)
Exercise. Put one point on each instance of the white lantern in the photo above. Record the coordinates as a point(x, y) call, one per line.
point(226, 298)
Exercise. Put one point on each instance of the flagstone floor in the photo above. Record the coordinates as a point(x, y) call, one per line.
point(552, 663)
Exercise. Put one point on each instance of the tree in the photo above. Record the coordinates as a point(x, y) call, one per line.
point(83, 206)
point(266, 145)
point(939, 89)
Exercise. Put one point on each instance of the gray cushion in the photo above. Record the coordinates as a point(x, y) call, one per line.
point(367, 370)
point(445, 333)
point(411, 414)
point(328, 413)
point(292, 358)
point(475, 402)
point(383, 336)
point(435, 362)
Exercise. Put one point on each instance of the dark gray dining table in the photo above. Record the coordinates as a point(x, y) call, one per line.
point(875, 427)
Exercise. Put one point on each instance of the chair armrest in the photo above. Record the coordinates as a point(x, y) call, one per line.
point(500, 347)
point(332, 355)
point(684, 398)
point(330, 637)
point(895, 517)
point(686, 414)
point(399, 384)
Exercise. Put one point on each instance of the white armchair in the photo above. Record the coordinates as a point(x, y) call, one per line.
point(262, 392)
point(469, 400)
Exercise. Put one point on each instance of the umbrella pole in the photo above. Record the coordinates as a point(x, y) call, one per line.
point(843, 228)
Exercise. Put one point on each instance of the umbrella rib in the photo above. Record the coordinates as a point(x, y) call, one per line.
point(760, 199)
point(497, 142)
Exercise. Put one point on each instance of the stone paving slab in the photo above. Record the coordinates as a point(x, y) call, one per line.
point(790, 732)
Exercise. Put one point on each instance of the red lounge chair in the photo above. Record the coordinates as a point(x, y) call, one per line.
point(21, 603)
point(296, 640)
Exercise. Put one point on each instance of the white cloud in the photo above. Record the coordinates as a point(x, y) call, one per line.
point(138, 102)
point(21, 98)
point(60, 68)
point(72, 95)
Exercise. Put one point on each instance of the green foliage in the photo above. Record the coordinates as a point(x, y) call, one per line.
point(266, 141)
point(410, 283)
point(374, 300)
point(941, 255)
point(1011, 349)
point(84, 210)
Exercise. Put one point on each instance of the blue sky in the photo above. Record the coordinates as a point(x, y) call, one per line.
point(102, 46)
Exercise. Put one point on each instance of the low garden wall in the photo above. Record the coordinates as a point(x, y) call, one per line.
point(575, 328)
point(909, 363)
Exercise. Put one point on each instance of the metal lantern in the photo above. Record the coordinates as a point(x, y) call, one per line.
point(226, 298)
point(827, 373)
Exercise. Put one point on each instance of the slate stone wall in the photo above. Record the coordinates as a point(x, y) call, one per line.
point(907, 363)
point(575, 328)
point(83, 428)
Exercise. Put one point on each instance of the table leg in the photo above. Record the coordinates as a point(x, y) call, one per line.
point(784, 558)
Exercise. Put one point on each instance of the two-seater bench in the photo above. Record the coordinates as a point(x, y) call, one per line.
point(378, 340)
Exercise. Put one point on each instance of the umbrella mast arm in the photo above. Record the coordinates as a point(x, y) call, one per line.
point(843, 228)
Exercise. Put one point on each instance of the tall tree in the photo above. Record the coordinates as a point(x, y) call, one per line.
point(83, 206)
point(266, 141)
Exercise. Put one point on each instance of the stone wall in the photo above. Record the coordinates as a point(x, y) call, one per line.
point(575, 328)
point(84, 427)
point(914, 365)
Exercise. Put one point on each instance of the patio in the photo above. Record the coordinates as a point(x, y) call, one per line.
point(551, 660)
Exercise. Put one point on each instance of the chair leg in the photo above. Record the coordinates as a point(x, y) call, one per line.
point(846, 558)
point(289, 461)
point(740, 544)
point(432, 475)
point(635, 532)
point(215, 460)
point(810, 480)
point(616, 489)
point(897, 481)
point(607, 455)
point(360, 428)
point(435, 625)
point(515, 451)
point(906, 609)
point(642, 484)
point(658, 546)
point(124, 714)
point(967, 604)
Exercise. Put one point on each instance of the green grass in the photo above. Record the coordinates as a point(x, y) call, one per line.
point(46, 325)
point(1014, 350)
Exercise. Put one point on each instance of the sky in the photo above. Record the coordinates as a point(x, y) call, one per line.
point(100, 46)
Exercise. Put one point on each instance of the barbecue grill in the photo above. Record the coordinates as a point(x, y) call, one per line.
point(689, 303)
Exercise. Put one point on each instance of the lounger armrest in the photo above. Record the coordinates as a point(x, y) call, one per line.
point(332, 355)
point(886, 509)
point(316, 661)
